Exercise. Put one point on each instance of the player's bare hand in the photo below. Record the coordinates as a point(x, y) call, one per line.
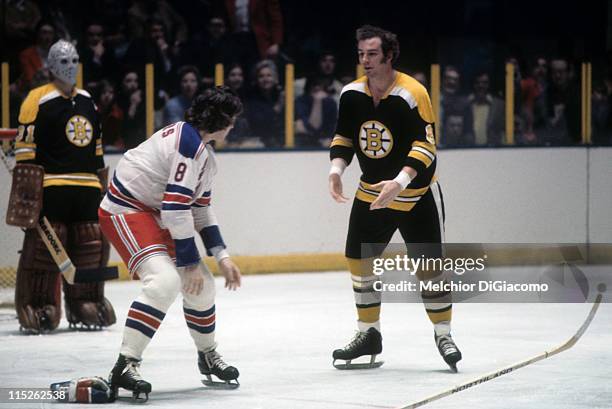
point(193, 279)
point(231, 272)
point(390, 190)
point(335, 188)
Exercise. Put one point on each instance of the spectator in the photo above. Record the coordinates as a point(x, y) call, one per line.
point(533, 89)
point(98, 59)
point(66, 16)
point(20, 24)
point(189, 77)
point(602, 113)
point(256, 29)
point(316, 113)
point(143, 11)
point(131, 103)
point(205, 53)
point(265, 107)
point(452, 100)
point(454, 130)
point(154, 48)
point(34, 58)
point(111, 116)
point(326, 73)
point(488, 113)
point(116, 39)
point(239, 136)
point(235, 79)
point(562, 106)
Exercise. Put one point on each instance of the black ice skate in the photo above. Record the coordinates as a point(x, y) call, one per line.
point(211, 363)
point(448, 350)
point(125, 375)
point(364, 343)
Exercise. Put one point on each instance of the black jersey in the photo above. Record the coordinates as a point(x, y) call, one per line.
point(398, 132)
point(62, 134)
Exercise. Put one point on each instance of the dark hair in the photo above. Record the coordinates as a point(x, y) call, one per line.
point(186, 69)
point(312, 82)
point(389, 43)
point(214, 109)
point(43, 22)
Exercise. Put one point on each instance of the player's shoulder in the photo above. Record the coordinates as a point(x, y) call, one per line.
point(190, 142)
point(35, 98)
point(410, 90)
point(359, 86)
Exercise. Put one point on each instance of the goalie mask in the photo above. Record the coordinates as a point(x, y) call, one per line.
point(63, 61)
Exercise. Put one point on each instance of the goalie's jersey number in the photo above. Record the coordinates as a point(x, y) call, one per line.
point(375, 139)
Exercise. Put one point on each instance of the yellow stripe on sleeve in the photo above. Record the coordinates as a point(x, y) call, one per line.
point(341, 141)
point(420, 156)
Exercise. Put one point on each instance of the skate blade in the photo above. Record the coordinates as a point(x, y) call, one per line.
point(348, 365)
point(233, 384)
point(134, 398)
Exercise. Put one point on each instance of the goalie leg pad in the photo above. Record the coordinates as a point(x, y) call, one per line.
point(85, 303)
point(25, 201)
point(37, 291)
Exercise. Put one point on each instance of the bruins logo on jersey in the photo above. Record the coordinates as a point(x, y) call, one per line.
point(79, 131)
point(375, 139)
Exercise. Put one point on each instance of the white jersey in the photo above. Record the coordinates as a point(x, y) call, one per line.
point(170, 173)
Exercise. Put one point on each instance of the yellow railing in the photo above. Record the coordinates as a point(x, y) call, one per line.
point(586, 90)
point(509, 104)
point(149, 99)
point(289, 107)
point(435, 98)
point(218, 75)
point(6, 114)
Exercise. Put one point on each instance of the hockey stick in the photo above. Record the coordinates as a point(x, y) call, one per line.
point(567, 345)
point(59, 254)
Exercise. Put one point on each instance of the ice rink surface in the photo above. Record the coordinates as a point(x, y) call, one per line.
point(279, 330)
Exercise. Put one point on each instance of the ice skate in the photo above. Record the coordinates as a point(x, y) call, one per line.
point(211, 363)
point(125, 375)
point(448, 350)
point(364, 343)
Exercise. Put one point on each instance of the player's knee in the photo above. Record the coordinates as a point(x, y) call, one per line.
point(161, 282)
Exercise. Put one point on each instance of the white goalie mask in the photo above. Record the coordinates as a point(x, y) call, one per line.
point(63, 61)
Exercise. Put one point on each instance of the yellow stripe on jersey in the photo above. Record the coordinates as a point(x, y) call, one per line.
point(420, 156)
point(404, 201)
point(425, 145)
point(342, 141)
point(72, 179)
point(29, 107)
point(24, 151)
point(99, 151)
point(403, 193)
point(419, 93)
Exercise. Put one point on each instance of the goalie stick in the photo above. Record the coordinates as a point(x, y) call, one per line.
point(547, 354)
point(58, 252)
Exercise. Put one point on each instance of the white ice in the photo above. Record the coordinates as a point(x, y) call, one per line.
point(279, 330)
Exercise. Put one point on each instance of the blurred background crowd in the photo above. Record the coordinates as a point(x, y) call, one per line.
point(472, 40)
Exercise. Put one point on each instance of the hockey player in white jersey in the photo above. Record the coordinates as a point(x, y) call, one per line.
point(158, 198)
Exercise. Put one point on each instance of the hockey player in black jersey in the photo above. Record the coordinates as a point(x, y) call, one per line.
point(386, 120)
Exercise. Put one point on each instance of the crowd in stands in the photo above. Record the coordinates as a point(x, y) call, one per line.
point(116, 38)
